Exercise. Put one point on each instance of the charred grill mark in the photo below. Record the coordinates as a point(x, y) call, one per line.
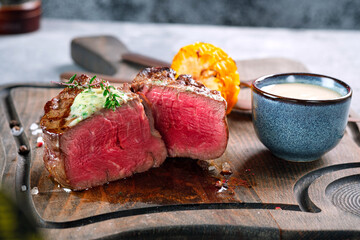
point(58, 109)
point(187, 80)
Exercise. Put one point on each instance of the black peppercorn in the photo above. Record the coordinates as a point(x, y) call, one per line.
point(23, 149)
point(14, 123)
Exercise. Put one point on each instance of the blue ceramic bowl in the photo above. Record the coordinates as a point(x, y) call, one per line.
point(300, 130)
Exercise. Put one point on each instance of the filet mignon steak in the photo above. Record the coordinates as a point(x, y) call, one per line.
point(190, 117)
point(106, 146)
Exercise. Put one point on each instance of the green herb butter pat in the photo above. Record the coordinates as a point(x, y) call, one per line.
point(88, 102)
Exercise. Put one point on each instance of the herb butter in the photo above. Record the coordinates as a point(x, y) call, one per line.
point(90, 101)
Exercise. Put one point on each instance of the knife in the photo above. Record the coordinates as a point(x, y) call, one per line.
point(108, 55)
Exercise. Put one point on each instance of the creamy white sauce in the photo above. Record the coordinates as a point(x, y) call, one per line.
point(90, 101)
point(301, 91)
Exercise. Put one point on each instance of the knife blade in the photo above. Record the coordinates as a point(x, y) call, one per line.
point(108, 55)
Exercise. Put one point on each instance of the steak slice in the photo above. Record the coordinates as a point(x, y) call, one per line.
point(190, 117)
point(106, 146)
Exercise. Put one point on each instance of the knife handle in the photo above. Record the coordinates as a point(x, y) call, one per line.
point(144, 60)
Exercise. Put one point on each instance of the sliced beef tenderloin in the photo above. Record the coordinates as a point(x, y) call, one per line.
point(106, 146)
point(190, 117)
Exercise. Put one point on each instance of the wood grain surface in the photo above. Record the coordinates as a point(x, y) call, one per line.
point(266, 198)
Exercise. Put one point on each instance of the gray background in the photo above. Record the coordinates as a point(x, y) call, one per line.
point(313, 14)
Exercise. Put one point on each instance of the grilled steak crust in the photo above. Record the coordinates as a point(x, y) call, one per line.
point(104, 147)
point(165, 76)
point(190, 117)
point(55, 119)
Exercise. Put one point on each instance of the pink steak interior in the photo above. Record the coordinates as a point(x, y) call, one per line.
point(191, 125)
point(109, 146)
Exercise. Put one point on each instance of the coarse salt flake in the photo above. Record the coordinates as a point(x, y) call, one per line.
point(36, 132)
point(34, 191)
point(34, 126)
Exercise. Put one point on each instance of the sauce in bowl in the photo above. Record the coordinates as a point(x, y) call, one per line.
point(301, 91)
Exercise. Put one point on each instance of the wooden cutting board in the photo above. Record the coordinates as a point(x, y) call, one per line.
point(267, 198)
